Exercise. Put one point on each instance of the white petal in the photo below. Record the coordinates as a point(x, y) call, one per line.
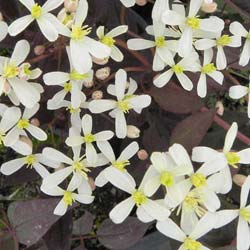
point(83, 198)
point(204, 44)
point(38, 133)
point(202, 86)
point(101, 180)
point(55, 78)
point(121, 211)
point(120, 83)
point(237, 92)
point(104, 135)
point(87, 124)
point(10, 118)
point(159, 162)
point(185, 82)
point(91, 154)
point(163, 79)
point(47, 28)
point(230, 137)
point(245, 54)
point(153, 184)
point(128, 3)
point(224, 217)
point(28, 113)
point(129, 151)
point(243, 235)
point(213, 24)
point(116, 54)
point(203, 154)
point(55, 155)
point(140, 102)
point(4, 30)
point(20, 52)
point(185, 42)
point(244, 192)
point(22, 148)
point(61, 208)
point(221, 60)
point(41, 170)
point(74, 141)
point(51, 5)
point(189, 220)
point(158, 63)
point(120, 125)
point(107, 150)
point(12, 166)
point(244, 156)
point(217, 76)
point(211, 200)
point(118, 31)
point(19, 25)
point(100, 106)
point(12, 136)
point(237, 29)
point(142, 215)
point(194, 7)
point(140, 44)
point(172, 18)
point(28, 3)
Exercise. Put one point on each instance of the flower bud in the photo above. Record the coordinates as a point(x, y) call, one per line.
point(239, 179)
point(71, 5)
point(141, 2)
point(88, 84)
point(39, 50)
point(209, 6)
point(133, 132)
point(102, 73)
point(66, 18)
point(26, 140)
point(97, 95)
point(219, 108)
point(142, 154)
point(92, 183)
point(100, 61)
point(35, 122)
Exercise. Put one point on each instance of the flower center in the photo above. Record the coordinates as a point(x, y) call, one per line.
point(245, 214)
point(198, 180)
point(124, 106)
point(193, 22)
point(36, 11)
point(67, 19)
point(30, 160)
point(223, 40)
point(74, 75)
point(26, 69)
point(67, 87)
point(10, 71)
point(73, 110)
point(139, 198)
point(2, 136)
point(121, 165)
point(81, 169)
point(89, 138)
point(160, 41)
point(68, 198)
point(191, 244)
point(177, 69)
point(167, 179)
point(192, 202)
point(208, 68)
point(23, 123)
point(78, 32)
point(232, 159)
point(108, 40)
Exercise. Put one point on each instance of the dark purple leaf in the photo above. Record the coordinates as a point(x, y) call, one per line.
point(84, 224)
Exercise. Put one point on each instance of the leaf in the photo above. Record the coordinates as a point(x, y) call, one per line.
point(32, 219)
point(84, 224)
point(176, 100)
point(190, 131)
point(121, 236)
point(6, 242)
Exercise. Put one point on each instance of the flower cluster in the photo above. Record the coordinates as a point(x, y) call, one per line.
point(178, 41)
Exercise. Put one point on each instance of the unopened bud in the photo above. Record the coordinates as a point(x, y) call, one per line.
point(66, 18)
point(71, 5)
point(100, 61)
point(26, 140)
point(97, 95)
point(102, 73)
point(239, 179)
point(141, 2)
point(133, 131)
point(35, 122)
point(92, 183)
point(88, 84)
point(39, 50)
point(142, 154)
point(209, 7)
point(219, 108)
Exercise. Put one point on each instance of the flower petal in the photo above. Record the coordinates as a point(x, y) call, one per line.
point(12, 166)
point(19, 25)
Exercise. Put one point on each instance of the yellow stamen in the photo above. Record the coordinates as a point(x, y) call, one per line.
point(193, 22)
point(223, 40)
point(232, 159)
point(167, 179)
point(26, 69)
point(191, 244)
point(10, 71)
point(23, 123)
point(78, 32)
point(73, 110)
point(192, 202)
point(177, 69)
point(2, 136)
point(74, 75)
point(81, 169)
point(108, 40)
point(30, 160)
point(68, 198)
point(208, 68)
point(89, 138)
point(198, 180)
point(67, 87)
point(36, 11)
point(121, 165)
point(160, 41)
point(245, 214)
point(139, 198)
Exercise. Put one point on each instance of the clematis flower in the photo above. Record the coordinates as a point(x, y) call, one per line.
point(208, 69)
point(27, 93)
point(71, 83)
point(206, 154)
point(81, 44)
point(186, 64)
point(237, 92)
point(190, 241)
point(119, 163)
point(89, 138)
point(23, 124)
point(226, 216)
point(48, 23)
point(237, 29)
point(33, 161)
point(69, 196)
point(125, 102)
point(190, 24)
point(219, 42)
point(147, 209)
point(164, 47)
point(109, 40)
point(3, 30)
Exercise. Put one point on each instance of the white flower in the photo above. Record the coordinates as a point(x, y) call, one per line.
point(237, 29)
point(35, 161)
point(223, 178)
point(237, 92)
point(190, 24)
point(109, 40)
point(226, 216)
point(208, 69)
point(119, 163)
point(147, 209)
point(27, 93)
point(219, 42)
point(128, 3)
point(3, 30)
point(69, 197)
point(26, 73)
point(188, 63)
point(71, 83)
point(89, 138)
point(163, 46)
point(125, 102)
point(81, 44)
point(190, 241)
point(159, 7)
point(48, 23)
point(23, 124)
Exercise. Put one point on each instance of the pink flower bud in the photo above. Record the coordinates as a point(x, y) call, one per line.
point(97, 95)
point(102, 73)
point(35, 122)
point(141, 2)
point(142, 154)
point(39, 50)
point(71, 5)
